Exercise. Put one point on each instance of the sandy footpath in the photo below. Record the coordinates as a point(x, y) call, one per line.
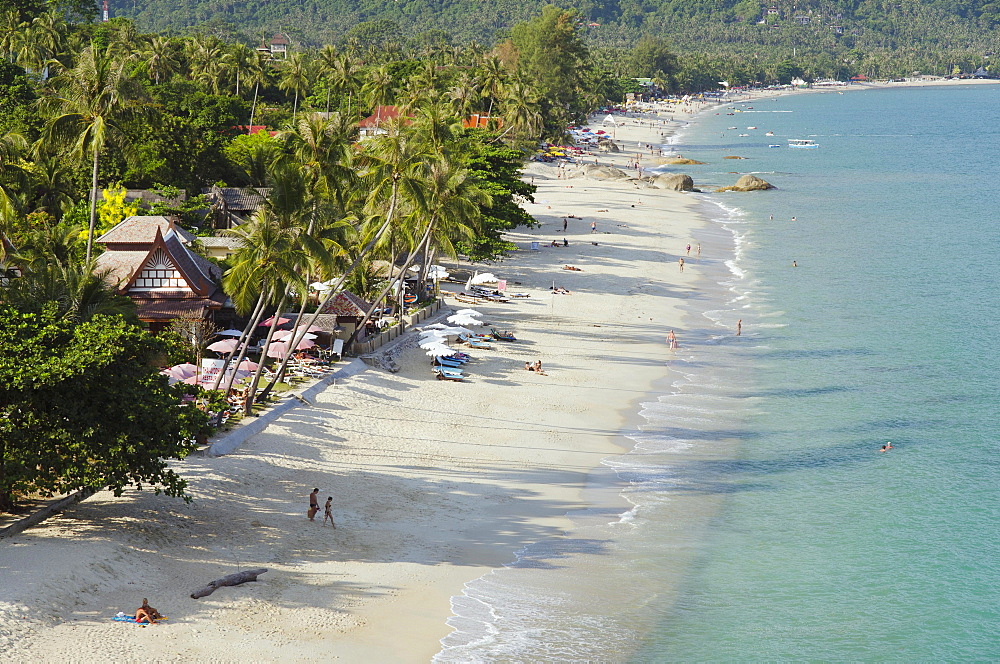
point(434, 483)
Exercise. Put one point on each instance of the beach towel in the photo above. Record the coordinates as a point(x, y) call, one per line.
point(122, 617)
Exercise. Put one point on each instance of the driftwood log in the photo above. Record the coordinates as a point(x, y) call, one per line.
point(228, 580)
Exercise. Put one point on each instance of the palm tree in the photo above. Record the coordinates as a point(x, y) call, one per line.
point(492, 74)
point(257, 75)
point(264, 269)
point(77, 291)
point(160, 57)
point(521, 113)
point(42, 40)
point(378, 91)
point(89, 111)
point(239, 59)
point(59, 244)
point(52, 184)
point(295, 77)
point(450, 200)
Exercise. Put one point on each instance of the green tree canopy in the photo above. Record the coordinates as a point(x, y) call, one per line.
point(82, 406)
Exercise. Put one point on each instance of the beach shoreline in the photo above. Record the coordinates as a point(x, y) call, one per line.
point(435, 484)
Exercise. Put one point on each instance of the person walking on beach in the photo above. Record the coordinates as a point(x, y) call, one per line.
point(564, 224)
point(739, 327)
point(328, 512)
point(593, 227)
point(680, 263)
point(313, 504)
point(671, 340)
point(689, 249)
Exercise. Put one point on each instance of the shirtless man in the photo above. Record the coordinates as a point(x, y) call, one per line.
point(313, 504)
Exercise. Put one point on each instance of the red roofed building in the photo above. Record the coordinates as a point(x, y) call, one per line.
point(477, 121)
point(349, 309)
point(373, 124)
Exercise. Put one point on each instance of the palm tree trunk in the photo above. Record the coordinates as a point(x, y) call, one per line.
point(402, 289)
point(241, 345)
point(263, 359)
point(295, 106)
point(297, 336)
point(93, 205)
point(253, 108)
point(335, 290)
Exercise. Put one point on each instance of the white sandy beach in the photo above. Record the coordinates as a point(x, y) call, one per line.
point(434, 483)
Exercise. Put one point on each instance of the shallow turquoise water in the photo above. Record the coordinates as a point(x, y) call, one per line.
point(765, 525)
point(825, 548)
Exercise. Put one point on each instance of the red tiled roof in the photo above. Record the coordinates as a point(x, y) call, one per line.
point(381, 115)
point(347, 304)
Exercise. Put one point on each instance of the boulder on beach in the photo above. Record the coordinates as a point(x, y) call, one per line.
point(679, 161)
point(675, 181)
point(748, 183)
point(599, 172)
point(732, 156)
point(607, 145)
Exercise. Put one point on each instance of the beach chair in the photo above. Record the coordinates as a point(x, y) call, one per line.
point(444, 362)
point(473, 343)
point(447, 371)
point(457, 379)
point(502, 336)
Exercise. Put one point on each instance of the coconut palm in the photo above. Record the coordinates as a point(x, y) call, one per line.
point(238, 59)
point(294, 77)
point(77, 292)
point(160, 57)
point(264, 270)
point(449, 203)
point(377, 90)
point(258, 76)
point(89, 111)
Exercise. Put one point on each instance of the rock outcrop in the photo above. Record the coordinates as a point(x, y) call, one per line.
point(675, 181)
point(599, 172)
point(732, 156)
point(679, 161)
point(748, 183)
point(605, 144)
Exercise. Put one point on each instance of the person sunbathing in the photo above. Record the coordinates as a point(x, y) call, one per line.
point(554, 244)
point(538, 368)
point(572, 267)
point(146, 613)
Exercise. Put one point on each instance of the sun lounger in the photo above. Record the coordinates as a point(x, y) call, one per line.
point(455, 364)
point(449, 371)
point(457, 379)
point(503, 336)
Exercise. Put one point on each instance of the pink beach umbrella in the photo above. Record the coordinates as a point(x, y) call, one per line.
point(272, 321)
point(181, 371)
point(304, 344)
point(247, 365)
point(278, 350)
point(224, 346)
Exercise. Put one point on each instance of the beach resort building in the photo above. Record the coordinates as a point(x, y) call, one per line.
point(149, 259)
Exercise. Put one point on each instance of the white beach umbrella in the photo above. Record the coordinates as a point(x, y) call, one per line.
point(456, 330)
point(230, 333)
point(436, 326)
point(432, 343)
point(462, 319)
point(433, 334)
point(468, 312)
point(439, 350)
point(484, 278)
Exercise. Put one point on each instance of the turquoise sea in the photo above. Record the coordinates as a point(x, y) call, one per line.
point(766, 525)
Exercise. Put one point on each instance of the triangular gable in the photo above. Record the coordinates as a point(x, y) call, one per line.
point(167, 268)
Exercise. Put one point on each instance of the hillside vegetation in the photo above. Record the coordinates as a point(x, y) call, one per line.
point(873, 35)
